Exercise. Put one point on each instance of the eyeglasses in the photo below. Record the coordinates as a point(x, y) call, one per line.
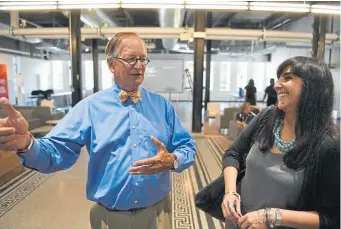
point(133, 60)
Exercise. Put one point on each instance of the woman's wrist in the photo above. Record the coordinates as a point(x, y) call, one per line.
point(228, 192)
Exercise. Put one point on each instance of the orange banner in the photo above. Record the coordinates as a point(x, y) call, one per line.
point(3, 81)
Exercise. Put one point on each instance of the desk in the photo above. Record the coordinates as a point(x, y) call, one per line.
point(41, 130)
point(53, 122)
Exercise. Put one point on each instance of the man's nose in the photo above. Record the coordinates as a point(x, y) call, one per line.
point(138, 64)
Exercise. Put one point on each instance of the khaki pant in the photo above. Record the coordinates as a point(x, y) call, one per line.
point(157, 216)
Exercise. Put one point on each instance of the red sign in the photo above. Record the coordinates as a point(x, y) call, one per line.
point(3, 81)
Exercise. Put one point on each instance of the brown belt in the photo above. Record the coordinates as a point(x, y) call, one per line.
point(116, 210)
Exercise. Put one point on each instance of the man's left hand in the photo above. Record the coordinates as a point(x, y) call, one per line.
point(161, 162)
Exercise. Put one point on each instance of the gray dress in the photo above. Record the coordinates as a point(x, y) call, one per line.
point(268, 182)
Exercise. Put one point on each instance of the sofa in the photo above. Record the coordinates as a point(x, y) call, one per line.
point(228, 115)
point(234, 130)
point(36, 116)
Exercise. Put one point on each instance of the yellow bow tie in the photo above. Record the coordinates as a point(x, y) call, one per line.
point(135, 96)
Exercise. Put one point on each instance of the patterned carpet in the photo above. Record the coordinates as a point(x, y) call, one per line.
point(207, 167)
point(17, 189)
point(185, 185)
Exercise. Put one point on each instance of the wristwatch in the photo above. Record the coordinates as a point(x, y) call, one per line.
point(175, 163)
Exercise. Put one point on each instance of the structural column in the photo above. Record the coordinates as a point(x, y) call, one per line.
point(95, 63)
point(199, 42)
point(319, 36)
point(75, 55)
point(208, 62)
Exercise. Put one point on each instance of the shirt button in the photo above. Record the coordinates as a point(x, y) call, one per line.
point(135, 201)
point(136, 184)
point(134, 127)
point(135, 145)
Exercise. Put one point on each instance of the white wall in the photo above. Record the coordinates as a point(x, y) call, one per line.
point(35, 72)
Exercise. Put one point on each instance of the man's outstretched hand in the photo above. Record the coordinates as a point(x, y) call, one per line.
point(14, 134)
point(161, 162)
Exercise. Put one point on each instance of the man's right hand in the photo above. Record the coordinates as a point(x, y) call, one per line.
point(14, 134)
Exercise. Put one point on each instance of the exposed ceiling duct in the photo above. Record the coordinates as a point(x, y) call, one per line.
point(170, 18)
point(95, 18)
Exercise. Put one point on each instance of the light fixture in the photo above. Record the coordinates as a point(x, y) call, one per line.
point(85, 4)
point(151, 2)
point(46, 5)
point(22, 1)
point(151, 6)
point(91, 6)
point(216, 4)
point(324, 9)
point(26, 7)
point(279, 7)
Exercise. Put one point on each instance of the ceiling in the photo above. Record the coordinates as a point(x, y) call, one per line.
point(150, 18)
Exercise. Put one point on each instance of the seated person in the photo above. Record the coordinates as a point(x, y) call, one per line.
point(246, 115)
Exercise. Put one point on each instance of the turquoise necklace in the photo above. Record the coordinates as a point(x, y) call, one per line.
point(284, 146)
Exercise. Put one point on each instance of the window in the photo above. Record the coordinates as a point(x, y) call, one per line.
point(241, 74)
point(70, 74)
point(89, 75)
point(211, 75)
point(190, 66)
point(258, 75)
point(225, 76)
point(107, 76)
point(57, 75)
point(44, 81)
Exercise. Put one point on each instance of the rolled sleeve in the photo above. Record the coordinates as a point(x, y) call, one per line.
point(29, 158)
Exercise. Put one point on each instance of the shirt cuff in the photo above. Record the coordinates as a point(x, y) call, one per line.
point(31, 155)
point(181, 160)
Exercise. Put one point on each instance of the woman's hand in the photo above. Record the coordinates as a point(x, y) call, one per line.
point(252, 220)
point(231, 207)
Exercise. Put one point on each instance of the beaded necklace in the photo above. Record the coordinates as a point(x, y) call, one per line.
point(284, 146)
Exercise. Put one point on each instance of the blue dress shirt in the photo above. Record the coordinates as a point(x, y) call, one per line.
point(116, 135)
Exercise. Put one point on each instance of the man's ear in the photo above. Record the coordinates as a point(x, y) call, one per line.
point(110, 65)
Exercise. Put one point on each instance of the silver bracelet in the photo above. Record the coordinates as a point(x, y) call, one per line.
point(272, 218)
point(278, 217)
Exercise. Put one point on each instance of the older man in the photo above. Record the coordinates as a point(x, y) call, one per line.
point(133, 136)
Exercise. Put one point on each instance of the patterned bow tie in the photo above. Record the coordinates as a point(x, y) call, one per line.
point(135, 96)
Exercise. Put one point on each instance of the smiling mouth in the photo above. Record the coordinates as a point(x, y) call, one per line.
point(282, 94)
